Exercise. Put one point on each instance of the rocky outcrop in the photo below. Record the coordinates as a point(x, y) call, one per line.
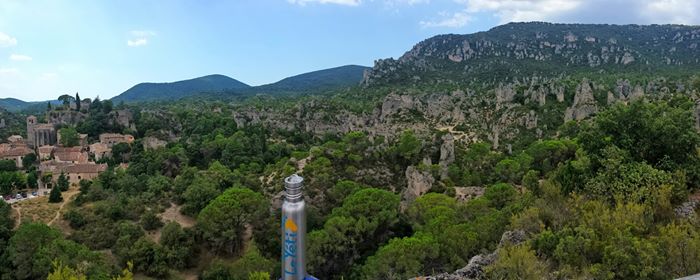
point(447, 154)
point(687, 209)
point(152, 143)
point(584, 103)
point(418, 182)
point(475, 268)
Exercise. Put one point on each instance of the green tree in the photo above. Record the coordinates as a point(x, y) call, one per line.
point(223, 222)
point(409, 146)
point(69, 137)
point(24, 245)
point(32, 180)
point(55, 195)
point(499, 195)
point(516, 263)
point(62, 272)
point(679, 245)
point(29, 160)
point(77, 102)
point(259, 276)
point(150, 221)
point(62, 182)
point(8, 165)
point(402, 258)
point(252, 261)
point(10, 181)
point(179, 245)
point(198, 195)
point(149, 258)
point(66, 100)
point(364, 221)
point(531, 181)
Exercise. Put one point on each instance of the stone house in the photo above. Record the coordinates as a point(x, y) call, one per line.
point(83, 171)
point(73, 155)
point(100, 151)
point(45, 152)
point(111, 139)
point(16, 154)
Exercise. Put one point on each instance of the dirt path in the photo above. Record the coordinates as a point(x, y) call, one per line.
point(172, 214)
point(302, 163)
point(67, 197)
point(17, 209)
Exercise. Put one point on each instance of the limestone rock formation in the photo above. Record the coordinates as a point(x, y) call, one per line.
point(584, 103)
point(418, 181)
point(447, 154)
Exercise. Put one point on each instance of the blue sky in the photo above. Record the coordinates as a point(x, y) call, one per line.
point(53, 47)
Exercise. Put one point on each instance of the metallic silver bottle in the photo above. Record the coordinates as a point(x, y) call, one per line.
point(293, 230)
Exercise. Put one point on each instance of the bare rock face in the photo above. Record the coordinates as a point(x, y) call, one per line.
point(394, 103)
point(627, 58)
point(419, 183)
point(152, 143)
point(584, 103)
point(447, 154)
point(504, 94)
point(687, 209)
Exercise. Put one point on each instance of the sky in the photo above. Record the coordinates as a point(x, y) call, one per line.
point(102, 48)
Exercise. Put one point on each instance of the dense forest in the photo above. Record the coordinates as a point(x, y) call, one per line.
point(609, 193)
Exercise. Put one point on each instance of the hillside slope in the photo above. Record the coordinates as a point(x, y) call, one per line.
point(544, 50)
point(177, 90)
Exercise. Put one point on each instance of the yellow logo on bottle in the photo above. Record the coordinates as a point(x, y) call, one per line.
point(290, 225)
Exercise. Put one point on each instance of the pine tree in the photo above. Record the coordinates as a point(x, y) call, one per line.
point(55, 195)
point(62, 182)
point(77, 102)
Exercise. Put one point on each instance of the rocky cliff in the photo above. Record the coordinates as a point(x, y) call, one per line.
point(545, 49)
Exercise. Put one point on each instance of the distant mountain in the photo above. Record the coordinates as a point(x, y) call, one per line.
point(219, 86)
point(343, 76)
point(16, 105)
point(538, 49)
point(180, 89)
point(13, 104)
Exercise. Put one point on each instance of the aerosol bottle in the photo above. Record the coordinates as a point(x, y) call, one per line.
point(294, 230)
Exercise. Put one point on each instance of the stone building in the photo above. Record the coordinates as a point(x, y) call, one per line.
point(40, 134)
point(83, 171)
point(45, 152)
point(100, 151)
point(111, 139)
point(16, 154)
point(70, 155)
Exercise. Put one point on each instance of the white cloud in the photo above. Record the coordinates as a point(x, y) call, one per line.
point(6, 40)
point(137, 42)
point(573, 11)
point(337, 2)
point(453, 20)
point(522, 10)
point(8, 71)
point(139, 37)
point(672, 11)
point(20, 57)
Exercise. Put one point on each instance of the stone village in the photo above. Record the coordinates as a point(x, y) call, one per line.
point(79, 162)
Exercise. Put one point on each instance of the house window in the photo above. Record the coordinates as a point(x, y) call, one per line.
point(79, 178)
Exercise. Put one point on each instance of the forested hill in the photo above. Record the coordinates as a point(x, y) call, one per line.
point(543, 49)
point(177, 90)
point(327, 79)
point(220, 86)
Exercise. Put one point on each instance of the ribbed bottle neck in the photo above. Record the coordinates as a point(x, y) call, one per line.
point(293, 186)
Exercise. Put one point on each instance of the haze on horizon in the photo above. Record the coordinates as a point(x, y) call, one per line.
point(53, 47)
